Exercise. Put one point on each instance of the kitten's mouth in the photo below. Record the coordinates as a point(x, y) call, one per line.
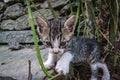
point(55, 52)
point(59, 51)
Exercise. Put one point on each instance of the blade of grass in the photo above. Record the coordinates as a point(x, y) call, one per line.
point(86, 19)
point(77, 17)
point(35, 40)
point(90, 19)
point(117, 16)
point(78, 30)
point(71, 7)
point(59, 74)
point(115, 60)
point(42, 15)
point(52, 10)
point(94, 22)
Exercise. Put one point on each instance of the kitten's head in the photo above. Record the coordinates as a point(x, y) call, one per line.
point(56, 34)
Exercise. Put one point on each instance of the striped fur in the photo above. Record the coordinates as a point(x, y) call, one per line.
point(64, 48)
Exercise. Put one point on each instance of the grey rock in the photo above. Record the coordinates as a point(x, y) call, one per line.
point(36, 1)
point(23, 22)
point(16, 36)
point(9, 1)
point(2, 6)
point(6, 1)
point(15, 11)
point(15, 45)
point(65, 8)
point(16, 63)
point(1, 16)
point(55, 3)
point(8, 25)
point(35, 6)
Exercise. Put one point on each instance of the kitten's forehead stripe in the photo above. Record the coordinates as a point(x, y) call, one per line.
point(55, 28)
point(56, 33)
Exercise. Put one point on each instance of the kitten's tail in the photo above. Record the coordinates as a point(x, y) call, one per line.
point(103, 66)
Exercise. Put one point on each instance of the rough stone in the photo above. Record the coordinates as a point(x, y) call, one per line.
point(15, 45)
point(17, 36)
point(35, 6)
point(35, 1)
point(55, 3)
point(8, 25)
point(23, 22)
point(1, 15)
point(15, 63)
point(6, 1)
point(12, 1)
point(65, 8)
point(15, 11)
point(2, 5)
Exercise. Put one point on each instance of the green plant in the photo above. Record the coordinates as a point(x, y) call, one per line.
point(52, 10)
point(71, 7)
point(38, 54)
point(35, 40)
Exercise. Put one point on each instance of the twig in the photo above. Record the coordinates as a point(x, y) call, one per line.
point(29, 73)
point(106, 39)
point(57, 75)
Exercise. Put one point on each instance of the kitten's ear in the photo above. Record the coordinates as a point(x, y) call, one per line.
point(42, 27)
point(69, 27)
point(41, 24)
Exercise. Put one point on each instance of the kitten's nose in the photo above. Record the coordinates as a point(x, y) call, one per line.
point(55, 50)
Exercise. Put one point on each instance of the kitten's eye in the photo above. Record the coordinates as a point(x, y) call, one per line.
point(62, 43)
point(48, 43)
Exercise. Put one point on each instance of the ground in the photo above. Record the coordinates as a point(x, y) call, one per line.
point(14, 64)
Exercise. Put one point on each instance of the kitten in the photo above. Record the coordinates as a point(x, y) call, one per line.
point(64, 48)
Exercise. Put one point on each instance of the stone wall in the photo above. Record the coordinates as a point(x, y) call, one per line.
point(14, 21)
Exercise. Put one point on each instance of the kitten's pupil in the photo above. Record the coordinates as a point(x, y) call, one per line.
point(62, 44)
point(48, 43)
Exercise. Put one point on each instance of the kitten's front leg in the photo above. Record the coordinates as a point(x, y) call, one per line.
point(64, 63)
point(50, 61)
point(94, 70)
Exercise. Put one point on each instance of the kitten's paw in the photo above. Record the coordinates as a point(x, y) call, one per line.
point(93, 78)
point(48, 65)
point(61, 67)
point(105, 78)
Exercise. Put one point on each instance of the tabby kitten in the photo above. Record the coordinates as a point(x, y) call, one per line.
point(64, 48)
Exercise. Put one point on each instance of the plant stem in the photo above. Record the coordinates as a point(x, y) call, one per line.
point(59, 74)
point(77, 17)
point(35, 40)
point(52, 10)
point(71, 7)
